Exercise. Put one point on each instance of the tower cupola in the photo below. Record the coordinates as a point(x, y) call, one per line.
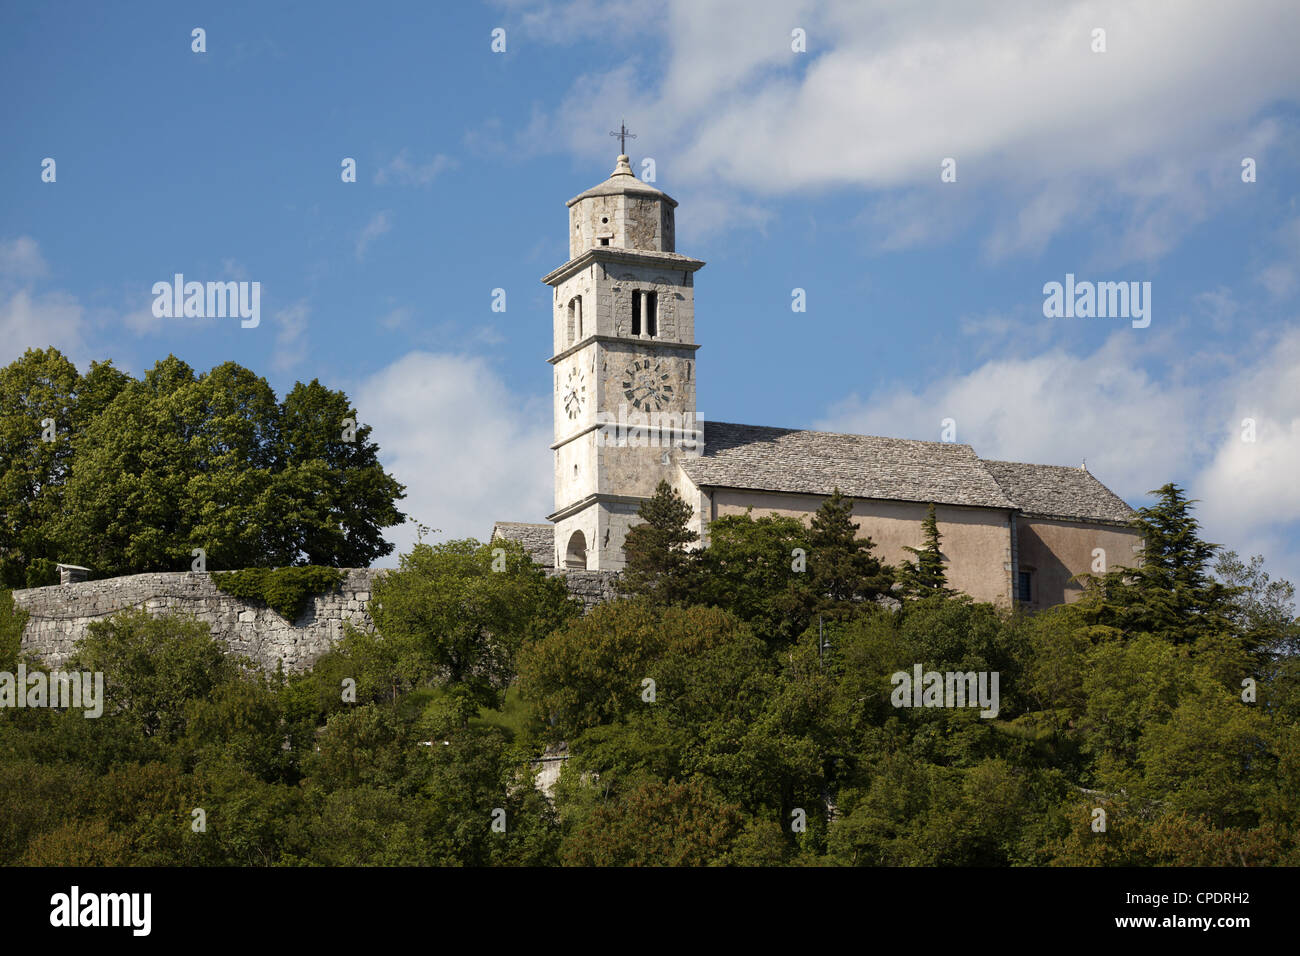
point(622, 212)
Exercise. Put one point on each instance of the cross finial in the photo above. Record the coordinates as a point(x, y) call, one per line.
point(623, 136)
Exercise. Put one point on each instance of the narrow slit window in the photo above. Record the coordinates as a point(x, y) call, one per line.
point(651, 314)
point(636, 312)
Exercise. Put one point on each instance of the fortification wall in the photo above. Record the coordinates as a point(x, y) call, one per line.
point(58, 616)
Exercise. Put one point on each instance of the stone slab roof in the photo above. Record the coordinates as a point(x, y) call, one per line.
point(537, 539)
point(1058, 491)
point(761, 458)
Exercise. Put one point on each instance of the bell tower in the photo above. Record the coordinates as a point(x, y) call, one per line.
point(624, 365)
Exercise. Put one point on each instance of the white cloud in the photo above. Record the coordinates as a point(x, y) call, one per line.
point(401, 171)
point(143, 321)
point(397, 317)
point(1053, 408)
point(1253, 485)
point(1011, 90)
point(469, 450)
point(53, 319)
point(20, 258)
point(289, 323)
point(1137, 431)
point(378, 225)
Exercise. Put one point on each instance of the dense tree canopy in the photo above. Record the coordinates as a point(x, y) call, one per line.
point(124, 475)
point(750, 720)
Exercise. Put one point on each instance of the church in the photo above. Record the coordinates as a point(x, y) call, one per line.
point(624, 407)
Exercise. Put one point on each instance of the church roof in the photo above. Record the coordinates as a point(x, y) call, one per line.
point(1058, 491)
point(537, 539)
point(762, 458)
point(623, 180)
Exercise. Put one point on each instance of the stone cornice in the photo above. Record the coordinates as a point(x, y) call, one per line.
point(621, 340)
point(616, 256)
point(586, 502)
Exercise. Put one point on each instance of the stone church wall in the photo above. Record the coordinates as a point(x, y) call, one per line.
point(1053, 551)
point(975, 541)
point(59, 616)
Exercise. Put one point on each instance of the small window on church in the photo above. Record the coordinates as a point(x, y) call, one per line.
point(575, 319)
point(645, 316)
point(1023, 590)
point(604, 240)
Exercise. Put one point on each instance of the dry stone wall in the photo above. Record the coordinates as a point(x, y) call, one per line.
point(58, 616)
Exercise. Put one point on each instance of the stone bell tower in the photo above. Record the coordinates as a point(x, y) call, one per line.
point(624, 365)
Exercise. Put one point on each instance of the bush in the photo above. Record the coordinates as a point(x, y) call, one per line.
point(284, 590)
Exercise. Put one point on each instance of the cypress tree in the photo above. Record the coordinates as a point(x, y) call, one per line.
point(925, 576)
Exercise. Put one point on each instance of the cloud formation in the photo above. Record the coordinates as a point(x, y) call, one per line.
point(470, 450)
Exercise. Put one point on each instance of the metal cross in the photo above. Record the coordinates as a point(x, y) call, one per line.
point(623, 135)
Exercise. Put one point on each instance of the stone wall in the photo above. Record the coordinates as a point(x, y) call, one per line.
point(58, 616)
point(589, 587)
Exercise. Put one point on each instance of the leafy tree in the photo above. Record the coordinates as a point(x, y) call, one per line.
point(756, 568)
point(657, 824)
point(459, 612)
point(144, 472)
point(153, 667)
point(37, 397)
point(337, 492)
point(1260, 606)
point(12, 621)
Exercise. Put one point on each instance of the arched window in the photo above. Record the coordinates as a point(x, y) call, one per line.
point(575, 319)
point(576, 556)
point(645, 313)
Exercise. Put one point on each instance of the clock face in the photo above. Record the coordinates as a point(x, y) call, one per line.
point(575, 393)
point(647, 384)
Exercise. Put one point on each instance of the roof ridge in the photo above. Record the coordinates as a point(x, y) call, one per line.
point(816, 431)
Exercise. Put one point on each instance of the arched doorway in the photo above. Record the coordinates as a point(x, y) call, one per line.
point(576, 555)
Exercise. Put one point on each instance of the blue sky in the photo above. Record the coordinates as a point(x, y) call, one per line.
point(817, 170)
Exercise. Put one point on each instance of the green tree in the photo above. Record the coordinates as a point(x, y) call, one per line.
point(331, 490)
point(657, 824)
point(177, 462)
point(844, 572)
point(153, 668)
point(756, 568)
point(657, 561)
point(924, 576)
point(37, 401)
point(1171, 593)
point(457, 612)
